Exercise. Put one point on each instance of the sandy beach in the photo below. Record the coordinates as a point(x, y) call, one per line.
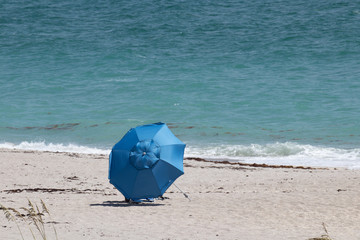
point(227, 201)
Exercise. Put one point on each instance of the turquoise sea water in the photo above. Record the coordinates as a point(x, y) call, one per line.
point(255, 81)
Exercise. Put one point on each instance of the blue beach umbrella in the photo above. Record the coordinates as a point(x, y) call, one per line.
point(146, 161)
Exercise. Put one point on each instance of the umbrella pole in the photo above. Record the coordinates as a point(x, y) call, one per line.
point(182, 192)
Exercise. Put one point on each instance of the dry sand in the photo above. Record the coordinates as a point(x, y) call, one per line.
point(227, 201)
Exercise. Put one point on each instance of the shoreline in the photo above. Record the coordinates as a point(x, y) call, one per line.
point(228, 200)
point(193, 158)
point(255, 165)
point(273, 154)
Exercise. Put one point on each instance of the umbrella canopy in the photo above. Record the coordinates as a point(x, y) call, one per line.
point(146, 161)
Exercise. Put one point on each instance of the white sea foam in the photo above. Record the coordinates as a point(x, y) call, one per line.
point(42, 146)
point(281, 153)
point(276, 153)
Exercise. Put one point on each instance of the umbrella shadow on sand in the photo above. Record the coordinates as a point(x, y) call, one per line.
point(125, 204)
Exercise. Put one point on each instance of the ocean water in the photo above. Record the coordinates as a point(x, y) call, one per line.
point(251, 81)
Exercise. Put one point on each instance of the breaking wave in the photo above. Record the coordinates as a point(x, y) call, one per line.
point(280, 154)
point(51, 147)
